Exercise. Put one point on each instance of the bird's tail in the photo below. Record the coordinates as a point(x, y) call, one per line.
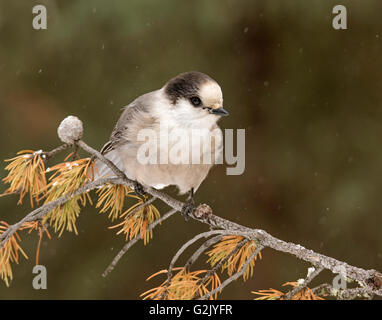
point(102, 170)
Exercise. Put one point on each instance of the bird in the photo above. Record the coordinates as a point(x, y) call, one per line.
point(190, 102)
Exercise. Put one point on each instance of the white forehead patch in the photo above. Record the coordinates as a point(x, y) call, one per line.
point(211, 94)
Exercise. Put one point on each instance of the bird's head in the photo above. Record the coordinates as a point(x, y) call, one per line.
point(195, 96)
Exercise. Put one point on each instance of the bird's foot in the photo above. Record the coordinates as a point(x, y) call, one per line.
point(138, 189)
point(188, 208)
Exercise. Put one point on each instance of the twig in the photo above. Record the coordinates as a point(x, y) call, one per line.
point(222, 262)
point(40, 212)
point(106, 161)
point(75, 152)
point(45, 156)
point(184, 247)
point(128, 245)
point(49, 154)
point(201, 249)
point(235, 276)
point(307, 280)
point(143, 204)
point(193, 240)
point(175, 204)
point(40, 231)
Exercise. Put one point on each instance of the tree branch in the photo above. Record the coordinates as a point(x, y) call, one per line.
point(371, 280)
point(342, 294)
point(40, 212)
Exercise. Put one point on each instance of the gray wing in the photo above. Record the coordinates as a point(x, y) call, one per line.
point(135, 116)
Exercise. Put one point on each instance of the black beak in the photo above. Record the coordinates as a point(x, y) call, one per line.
point(220, 112)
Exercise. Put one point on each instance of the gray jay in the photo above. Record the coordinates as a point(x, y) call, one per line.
point(191, 101)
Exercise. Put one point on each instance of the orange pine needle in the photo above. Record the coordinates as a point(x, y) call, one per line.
point(137, 223)
point(183, 285)
point(9, 254)
point(272, 294)
point(26, 175)
point(66, 179)
point(234, 263)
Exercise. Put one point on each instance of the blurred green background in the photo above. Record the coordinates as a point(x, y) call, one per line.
point(308, 96)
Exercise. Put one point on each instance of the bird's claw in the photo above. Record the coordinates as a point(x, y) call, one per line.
point(138, 189)
point(188, 209)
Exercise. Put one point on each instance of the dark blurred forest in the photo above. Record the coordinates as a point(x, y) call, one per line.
point(308, 96)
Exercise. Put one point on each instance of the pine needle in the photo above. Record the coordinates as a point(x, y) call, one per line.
point(272, 294)
point(26, 175)
point(9, 253)
point(138, 218)
point(67, 178)
point(183, 286)
point(234, 263)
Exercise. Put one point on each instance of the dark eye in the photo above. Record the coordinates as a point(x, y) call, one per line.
point(196, 101)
